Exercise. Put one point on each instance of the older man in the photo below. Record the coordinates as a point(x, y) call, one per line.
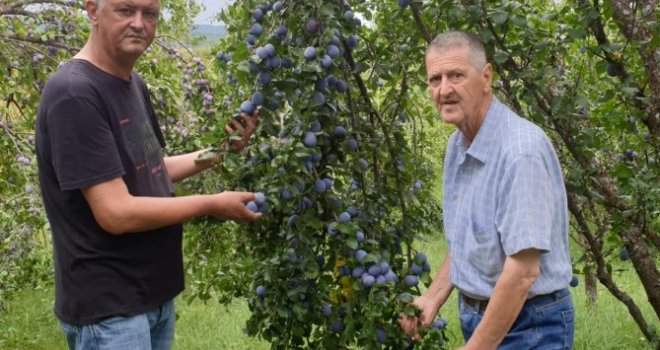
point(107, 188)
point(505, 213)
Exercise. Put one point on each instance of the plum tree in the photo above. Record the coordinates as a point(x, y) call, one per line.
point(586, 74)
point(347, 75)
point(35, 38)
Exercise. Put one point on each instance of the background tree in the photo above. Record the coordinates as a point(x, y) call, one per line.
point(343, 161)
point(35, 37)
point(349, 148)
point(586, 72)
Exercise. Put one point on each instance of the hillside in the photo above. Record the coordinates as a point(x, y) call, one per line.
point(208, 32)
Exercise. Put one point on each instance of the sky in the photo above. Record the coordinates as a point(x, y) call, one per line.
point(213, 7)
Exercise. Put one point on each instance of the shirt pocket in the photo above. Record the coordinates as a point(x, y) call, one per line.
point(484, 250)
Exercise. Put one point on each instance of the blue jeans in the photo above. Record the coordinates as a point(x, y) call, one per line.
point(544, 323)
point(153, 330)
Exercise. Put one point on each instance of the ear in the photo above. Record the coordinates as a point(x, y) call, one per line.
point(92, 12)
point(487, 75)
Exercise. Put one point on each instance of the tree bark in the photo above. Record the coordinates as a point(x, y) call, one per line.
point(595, 251)
point(644, 265)
point(633, 25)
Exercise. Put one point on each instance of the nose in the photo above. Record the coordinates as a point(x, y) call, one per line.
point(445, 87)
point(137, 22)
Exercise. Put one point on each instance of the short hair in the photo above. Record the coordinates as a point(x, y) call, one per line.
point(457, 39)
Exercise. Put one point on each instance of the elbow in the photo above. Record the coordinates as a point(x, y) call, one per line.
point(112, 206)
point(530, 276)
point(112, 223)
point(524, 267)
point(113, 230)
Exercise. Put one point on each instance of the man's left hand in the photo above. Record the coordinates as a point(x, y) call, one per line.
point(245, 129)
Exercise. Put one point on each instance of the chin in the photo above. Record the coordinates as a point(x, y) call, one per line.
point(450, 118)
point(134, 50)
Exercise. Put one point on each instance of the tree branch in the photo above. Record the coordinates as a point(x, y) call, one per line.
point(420, 24)
point(13, 7)
point(595, 252)
point(38, 41)
point(635, 30)
point(374, 113)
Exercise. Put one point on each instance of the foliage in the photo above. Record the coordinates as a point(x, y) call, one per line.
point(574, 69)
point(587, 72)
point(36, 36)
point(343, 159)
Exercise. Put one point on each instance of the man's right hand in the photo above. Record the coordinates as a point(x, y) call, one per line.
point(429, 309)
point(231, 206)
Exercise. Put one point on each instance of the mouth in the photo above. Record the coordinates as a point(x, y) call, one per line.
point(448, 100)
point(135, 37)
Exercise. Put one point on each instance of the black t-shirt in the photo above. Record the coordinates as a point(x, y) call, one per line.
point(93, 127)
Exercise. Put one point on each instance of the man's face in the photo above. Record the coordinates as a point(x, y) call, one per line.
point(459, 90)
point(127, 27)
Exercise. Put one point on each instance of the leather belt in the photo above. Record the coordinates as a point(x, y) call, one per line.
point(475, 303)
point(482, 304)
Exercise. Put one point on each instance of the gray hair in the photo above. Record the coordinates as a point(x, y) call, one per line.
point(457, 39)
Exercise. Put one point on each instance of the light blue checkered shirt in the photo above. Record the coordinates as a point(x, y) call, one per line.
point(502, 194)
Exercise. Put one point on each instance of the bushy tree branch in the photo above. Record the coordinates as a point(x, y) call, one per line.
point(38, 41)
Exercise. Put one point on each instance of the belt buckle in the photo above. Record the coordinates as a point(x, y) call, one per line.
point(475, 303)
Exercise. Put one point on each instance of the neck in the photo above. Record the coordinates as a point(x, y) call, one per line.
point(106, 60)
point(471, 128)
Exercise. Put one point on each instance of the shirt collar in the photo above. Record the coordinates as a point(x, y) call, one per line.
point(486, 135)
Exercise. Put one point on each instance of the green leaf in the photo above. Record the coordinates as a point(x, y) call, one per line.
point(352, 243)
point(623, 171)
point(360, 67)
point(500, 57)
point(499, 17)
point(410, 310)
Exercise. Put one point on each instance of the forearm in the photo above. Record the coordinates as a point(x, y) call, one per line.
point(508, 298)
point(124, 213)
point(503, 309)
point(183, 166)
point(118, 212)
point(139, 214)
point(441, 287)
point(430, 302)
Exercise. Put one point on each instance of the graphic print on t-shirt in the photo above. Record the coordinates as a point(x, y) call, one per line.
point(141, 142)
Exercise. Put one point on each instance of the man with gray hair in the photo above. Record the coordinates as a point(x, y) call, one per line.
point(108, 188)
point(505, 213)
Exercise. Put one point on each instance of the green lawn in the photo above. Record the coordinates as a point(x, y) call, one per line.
point(28, 322)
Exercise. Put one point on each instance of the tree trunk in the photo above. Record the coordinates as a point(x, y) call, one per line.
point(595, 251)
point(644, 265)
point(591, 283)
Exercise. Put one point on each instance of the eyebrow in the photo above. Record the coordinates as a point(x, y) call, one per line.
point(449, 72)
point(132, 5)
point(431, 77)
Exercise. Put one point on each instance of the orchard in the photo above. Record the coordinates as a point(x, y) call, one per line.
point(346, 158)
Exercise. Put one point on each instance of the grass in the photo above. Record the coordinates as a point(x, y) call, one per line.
point(29, 324)
point(607, 326)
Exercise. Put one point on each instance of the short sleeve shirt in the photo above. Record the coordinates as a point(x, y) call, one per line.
point(504, 193)
point(93, 127)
